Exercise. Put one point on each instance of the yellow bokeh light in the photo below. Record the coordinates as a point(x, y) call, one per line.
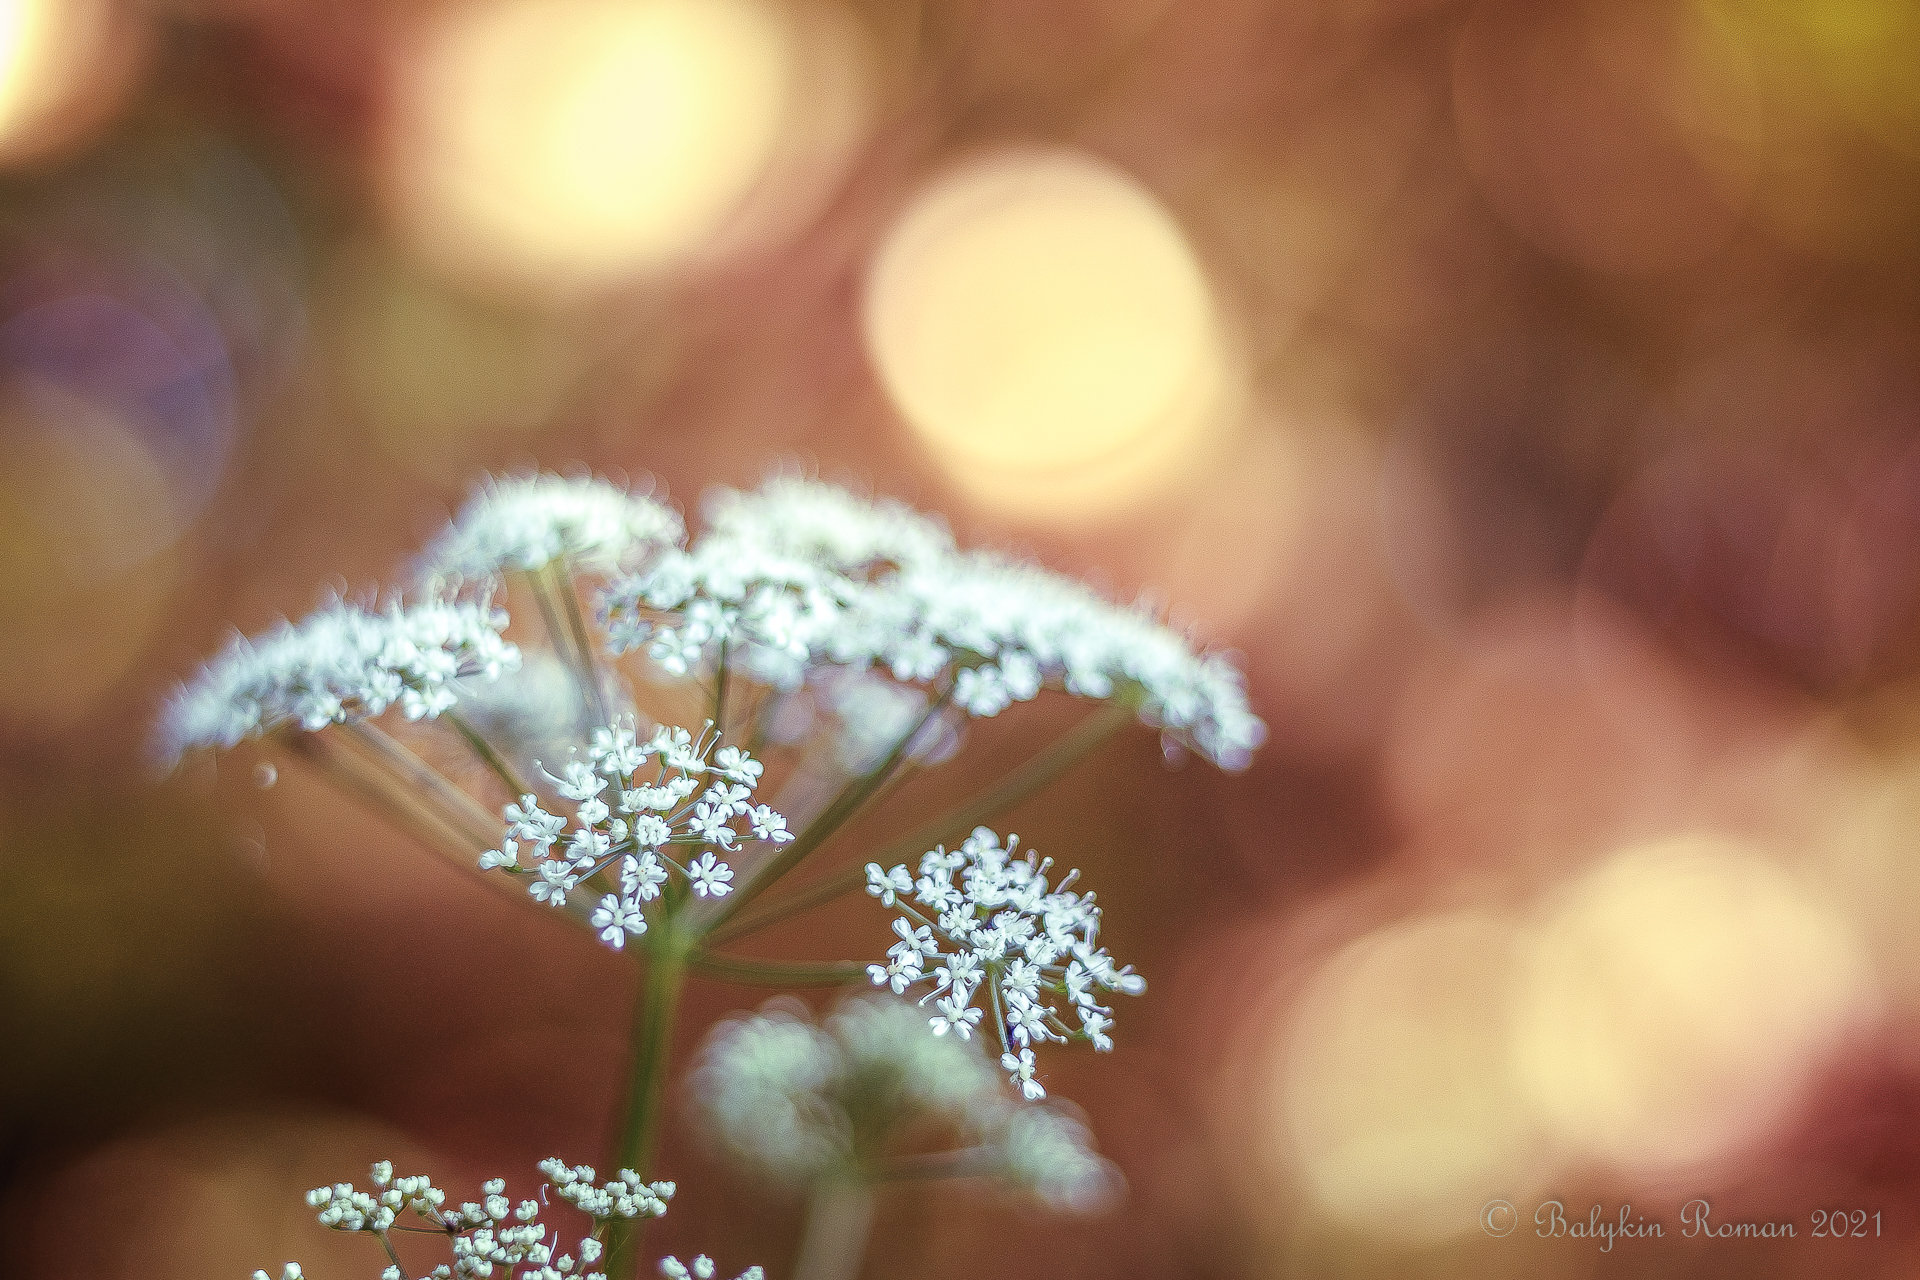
point(1677, 1002)
point(1045, 326)
point(62, 64)
point(557, 145)
point(1397, 1105)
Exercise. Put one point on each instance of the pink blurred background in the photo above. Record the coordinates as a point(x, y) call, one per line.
point(1528, 391)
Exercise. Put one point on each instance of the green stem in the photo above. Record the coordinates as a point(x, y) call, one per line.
point(487, 755)
point(380, 790)
point(544, 596)
point(720, 693)
point(844, 806)
point(456, 808)
point(1066, 751)
point(583, 645)
point(650, 1050)
point(1040, 771)
point(392, 1256)
point(775, 973)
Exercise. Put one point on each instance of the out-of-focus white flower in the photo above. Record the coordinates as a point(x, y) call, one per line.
point(340, 663)
point(527, 522)
point(802, 575)
point(801, 1101)
point(1051, 1154)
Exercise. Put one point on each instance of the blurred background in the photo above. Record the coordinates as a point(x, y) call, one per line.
point(1528, 391)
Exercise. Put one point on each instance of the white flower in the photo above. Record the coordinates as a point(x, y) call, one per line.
point(507, 855)
point(1020, 1067)
point(555, 882)
point(677, 749)
point(786, 1095)
point(497, 1235)
point(579, 782)
point(527, 522)
point(768, 825)
point(642, 876)
point(616, 750)
point(955, 1015)
point(616, 919)
point(596, 839)
point(709, 824)
point(730, 799)
point(888, 885)
point(1051, 1155)
point(731, 762)
point(533, 824)
point(701, 1268)
point(710, 876)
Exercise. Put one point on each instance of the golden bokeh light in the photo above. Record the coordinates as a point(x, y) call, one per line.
point(1044, 325)
point(63, 65)
point(1396, 1100)
point(1872, 826)
point(1676, 1004)
point(554, 146)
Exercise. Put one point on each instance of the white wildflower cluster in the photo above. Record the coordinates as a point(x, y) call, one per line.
point(527, 522)
point(493, 1232)
point(629, 817)
point(800, 1101)
point(992, 924)
point(802, 574)
point(341, 663)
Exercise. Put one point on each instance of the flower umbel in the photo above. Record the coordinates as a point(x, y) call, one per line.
point(493, 1231)
point(634, 803)
point(991, 923)
point(803, 575)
